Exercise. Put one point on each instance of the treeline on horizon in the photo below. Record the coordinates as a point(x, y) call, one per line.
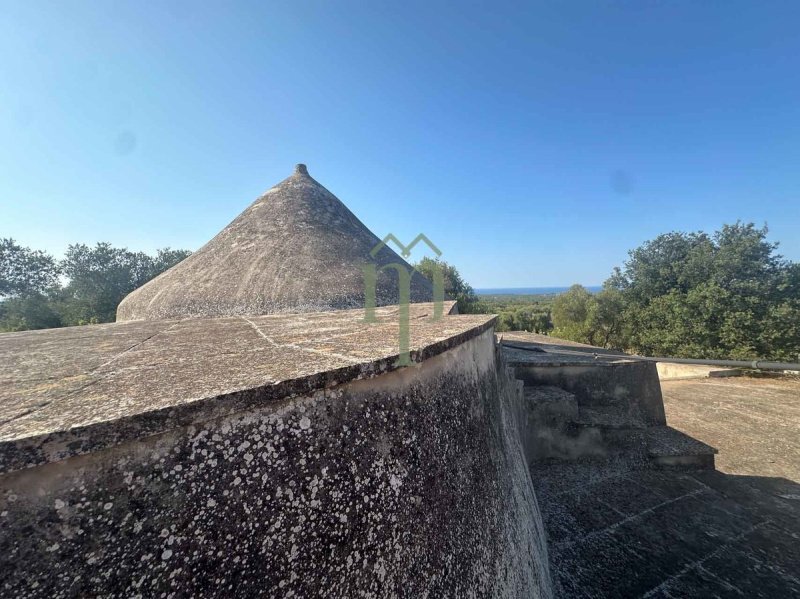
point(726, 295)
point(694, 295)
point(85, 287)
point(723, 295)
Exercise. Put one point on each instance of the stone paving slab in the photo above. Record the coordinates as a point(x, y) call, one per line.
point(619, 529)
point(668, 534)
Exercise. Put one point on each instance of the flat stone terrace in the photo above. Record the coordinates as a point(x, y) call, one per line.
point(623, 530)
point(754, 421)
point(74, 390)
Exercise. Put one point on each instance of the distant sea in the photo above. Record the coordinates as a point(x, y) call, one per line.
point(531, 290)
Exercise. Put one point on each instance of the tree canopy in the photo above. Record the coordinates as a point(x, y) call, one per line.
point(455, 287)
point(24, 271)
point(726, 295)
point(95, 281)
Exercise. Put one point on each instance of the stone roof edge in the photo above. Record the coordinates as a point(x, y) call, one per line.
point(22, 453)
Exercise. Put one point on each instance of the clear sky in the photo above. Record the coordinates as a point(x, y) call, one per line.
point(535, 143)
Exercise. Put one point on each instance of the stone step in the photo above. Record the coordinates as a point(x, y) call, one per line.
point(638, 450)
point(559, 429)
point(670, 448)
point(627, 391)
point(550, 405)
point(662, 447)
point(608, 417)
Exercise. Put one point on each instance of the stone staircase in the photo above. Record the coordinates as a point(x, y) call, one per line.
point(631, 506)
point(559, 428)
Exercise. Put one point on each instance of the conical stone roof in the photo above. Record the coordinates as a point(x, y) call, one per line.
point(297, 248)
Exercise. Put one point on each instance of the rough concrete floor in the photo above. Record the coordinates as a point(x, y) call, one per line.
point(623, 530)
point(753, 422)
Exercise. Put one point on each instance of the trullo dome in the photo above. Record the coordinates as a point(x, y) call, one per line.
point(297, 248)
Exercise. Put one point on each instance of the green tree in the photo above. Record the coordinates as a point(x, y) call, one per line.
point(543, 323)
point(726, 295)
point(34, 311)
point(28, 279)
point(596, 319)
point(780, 331)
point(165, 259)
point(25, 272)
point(505, 322)
point(455, 287)
point(606, 325)
point(670, 261)
point(101, 276)
point(572, 313)
point(528, 317)
point(31, 296)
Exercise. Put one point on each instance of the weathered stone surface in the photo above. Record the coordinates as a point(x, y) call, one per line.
point(620, 529)
point(411, 483)
point(550, 405)
point(297, 248)
point(75, 390)
point(669, 447)
point(678, 372)
point(753, 422)
point(611, 389)
point(670, 534)
point(570, 351)
point(548, 431)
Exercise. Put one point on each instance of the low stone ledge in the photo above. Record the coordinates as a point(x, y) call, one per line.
point(72, 391)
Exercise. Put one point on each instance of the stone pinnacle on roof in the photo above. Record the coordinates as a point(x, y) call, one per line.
point(297, 248)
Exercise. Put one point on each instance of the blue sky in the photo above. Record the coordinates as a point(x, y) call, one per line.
point(535, 143)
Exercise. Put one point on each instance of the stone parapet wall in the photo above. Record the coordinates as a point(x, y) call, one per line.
point(626, 388)
point(411, 483)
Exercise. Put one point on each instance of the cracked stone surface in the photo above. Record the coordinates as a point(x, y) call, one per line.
point(73, 390)
point(671, 534)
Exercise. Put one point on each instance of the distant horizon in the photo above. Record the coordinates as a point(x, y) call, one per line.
point(553, 289)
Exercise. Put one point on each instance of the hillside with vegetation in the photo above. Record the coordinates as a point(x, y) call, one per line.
point(728, 294)
point(531, 313)
point(515, 312)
